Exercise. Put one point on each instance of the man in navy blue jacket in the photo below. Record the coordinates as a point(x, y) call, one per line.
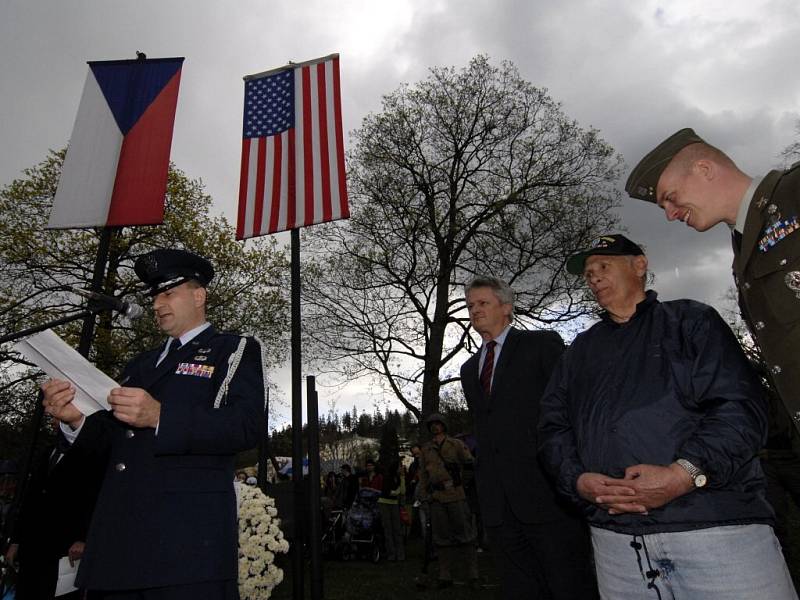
point(165, 525)
point(651, 424)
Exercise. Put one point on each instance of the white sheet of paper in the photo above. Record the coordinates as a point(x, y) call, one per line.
point(61, 361)
point(66, 576)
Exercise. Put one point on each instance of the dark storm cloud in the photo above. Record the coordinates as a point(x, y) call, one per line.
point(639, 71)
point(636, 70)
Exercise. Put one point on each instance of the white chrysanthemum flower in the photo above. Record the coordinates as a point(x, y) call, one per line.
point(260, 538)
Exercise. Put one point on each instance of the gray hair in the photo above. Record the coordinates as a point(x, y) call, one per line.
point(500, 288)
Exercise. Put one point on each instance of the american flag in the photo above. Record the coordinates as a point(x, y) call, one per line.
point(292, 149)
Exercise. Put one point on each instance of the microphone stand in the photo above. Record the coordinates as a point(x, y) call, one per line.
point(92, 308)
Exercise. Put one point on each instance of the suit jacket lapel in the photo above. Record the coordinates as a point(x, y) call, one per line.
point(506, 355)
point(167, 366)
point(753, 224)
point(471, 375)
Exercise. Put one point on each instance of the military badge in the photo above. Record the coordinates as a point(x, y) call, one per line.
point(761, 202)
point(774, 214)
point(150, 265)
point(201, 357)
point(604, 241)
point(775, 232)
point(792, 280)
point(204, 371)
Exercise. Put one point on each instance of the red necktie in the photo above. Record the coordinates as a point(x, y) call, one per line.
point(488, 367)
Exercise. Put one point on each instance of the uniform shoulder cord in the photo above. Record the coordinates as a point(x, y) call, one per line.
point(233, 363)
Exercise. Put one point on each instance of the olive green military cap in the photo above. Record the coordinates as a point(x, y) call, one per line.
point(644, 178)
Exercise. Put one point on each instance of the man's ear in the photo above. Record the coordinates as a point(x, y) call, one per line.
point(200, 296)
point(705, 168)
point(507, 310)
point(640, 264)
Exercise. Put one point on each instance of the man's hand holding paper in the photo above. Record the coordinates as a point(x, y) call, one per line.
point(135, 406)
point(89, 387)
point(58, 397)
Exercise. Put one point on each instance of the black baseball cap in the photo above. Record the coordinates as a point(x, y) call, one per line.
point(613, 245)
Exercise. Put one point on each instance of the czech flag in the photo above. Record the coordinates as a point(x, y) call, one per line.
point(115, 170)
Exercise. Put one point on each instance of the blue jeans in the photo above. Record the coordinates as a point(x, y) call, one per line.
point(735, 562)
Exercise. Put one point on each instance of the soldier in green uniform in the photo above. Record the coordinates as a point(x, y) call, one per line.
point(445, 463)
point(700, 185)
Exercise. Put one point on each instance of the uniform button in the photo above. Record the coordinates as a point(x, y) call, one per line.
point(783, 262)
point(129, 433)
point(776, 370)
point(120, 467)
point(746, 285)
point(759, 326)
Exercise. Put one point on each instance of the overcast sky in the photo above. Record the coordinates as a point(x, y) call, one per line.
point(637, 70)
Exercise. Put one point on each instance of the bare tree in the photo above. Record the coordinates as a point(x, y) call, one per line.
point(469, 171)
point(791, 153)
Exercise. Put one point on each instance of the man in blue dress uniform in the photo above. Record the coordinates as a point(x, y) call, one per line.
point(165, 524)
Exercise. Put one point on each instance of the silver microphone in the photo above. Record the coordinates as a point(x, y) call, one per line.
point(128, 309)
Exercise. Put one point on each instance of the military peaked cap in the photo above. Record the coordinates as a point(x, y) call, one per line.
point(643, 180)
point(166, 268)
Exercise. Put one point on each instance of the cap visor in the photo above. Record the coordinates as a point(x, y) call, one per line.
point(576, 262)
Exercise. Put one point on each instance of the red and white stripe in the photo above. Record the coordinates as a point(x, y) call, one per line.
point(297, 178)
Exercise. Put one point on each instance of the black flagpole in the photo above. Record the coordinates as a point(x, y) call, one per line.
point(315, 517)
point(100, 263)
point(297, 425)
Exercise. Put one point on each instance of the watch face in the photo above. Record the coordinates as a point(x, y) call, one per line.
point(700, 480)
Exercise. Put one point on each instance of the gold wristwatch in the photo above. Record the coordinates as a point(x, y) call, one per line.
point(699, 478)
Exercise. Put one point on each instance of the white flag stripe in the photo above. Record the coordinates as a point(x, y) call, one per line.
point(284, 197)
point(315, 149)
point(266, 201)
point(336, 212)
point(87, 178)
point(299, 164)
point(252, 173)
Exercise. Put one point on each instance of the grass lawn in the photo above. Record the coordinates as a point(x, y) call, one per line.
point(361, 579)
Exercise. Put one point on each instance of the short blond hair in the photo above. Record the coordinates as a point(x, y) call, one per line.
point(689, 155)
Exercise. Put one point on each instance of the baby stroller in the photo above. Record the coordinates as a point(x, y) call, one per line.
point(362, 527)
point(333, 536)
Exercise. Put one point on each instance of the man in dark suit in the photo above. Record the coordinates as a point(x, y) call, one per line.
point(165, 525)
point(54, 517)
point(541, 548)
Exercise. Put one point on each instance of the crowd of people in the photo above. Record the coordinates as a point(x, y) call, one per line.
point(628, 465)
